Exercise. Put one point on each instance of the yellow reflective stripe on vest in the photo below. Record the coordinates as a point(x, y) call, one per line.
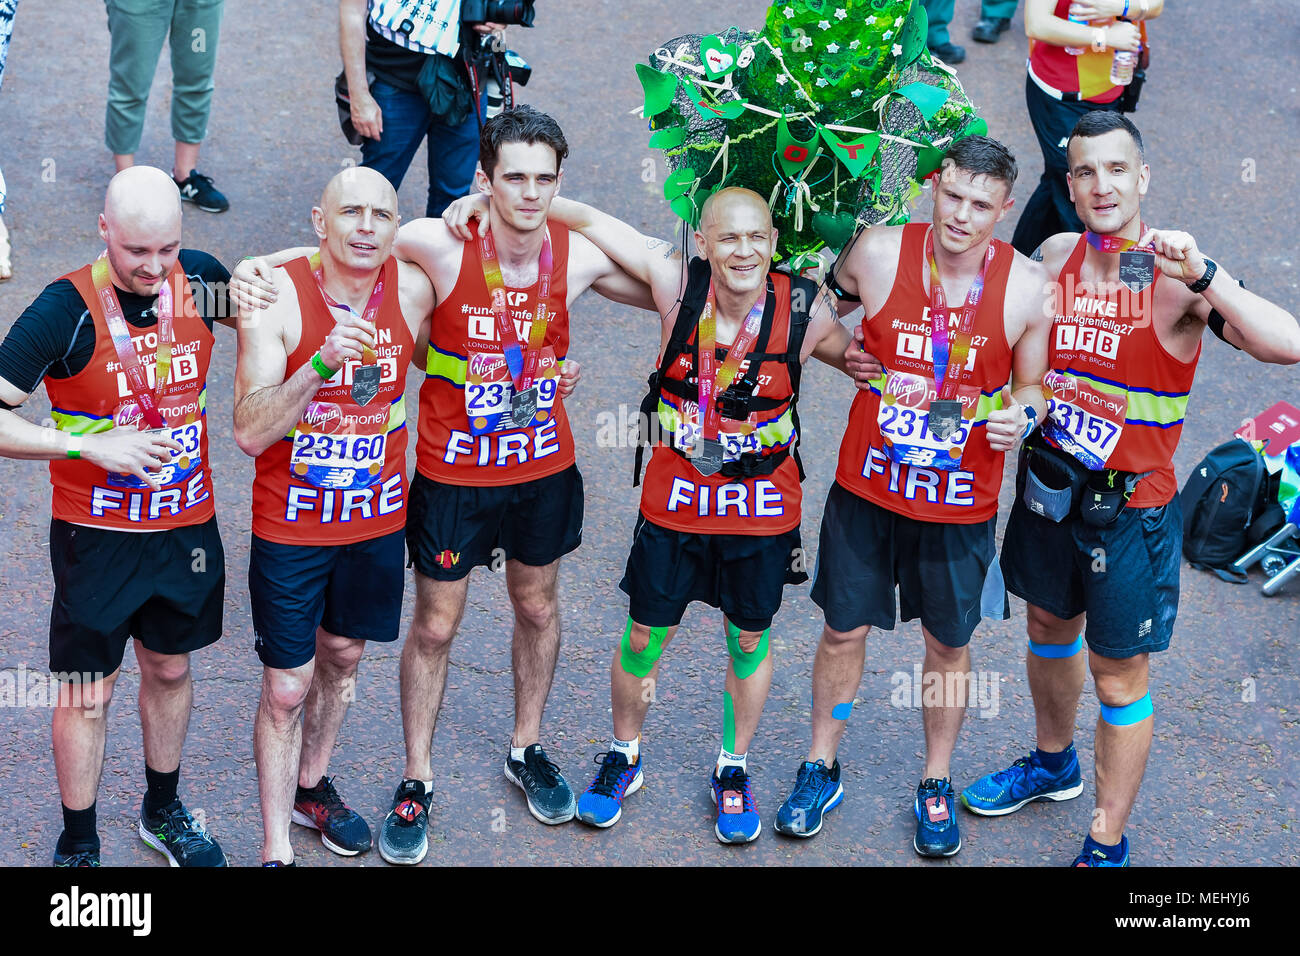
point(79, 423)
point(777, 434)
point(1143, 407)
point(443, 365)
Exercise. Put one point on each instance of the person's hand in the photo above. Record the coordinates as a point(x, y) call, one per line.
point(251, 287)
point(1007, 424)
point(457, 215)
point(130, 451)
point(1097, 9)
point(367, 117)
point(863, 366)
point(1122, 35)
point(496, 29)
point(570, 372)
point(347, 341)
point(1176, 254)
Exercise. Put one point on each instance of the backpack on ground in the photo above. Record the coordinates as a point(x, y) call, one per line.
point(1229, 505)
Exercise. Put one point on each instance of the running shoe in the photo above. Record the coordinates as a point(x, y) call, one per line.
point(601, 804)
point(738, 820)
point(817, 791)
point(278, 863)
point(175, 834)
point(1093, 855)
point(550, 799)
point(82, 856)
point(403, 838)
point(1006, 791)
point(198, 189)
point(936, 823)
point(341, 828)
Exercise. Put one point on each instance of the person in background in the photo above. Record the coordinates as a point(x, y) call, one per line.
point(393, 41)
point(138, 28)
point(938, 41)
point(8, 10)
point(1071, 50)
point(995, 19)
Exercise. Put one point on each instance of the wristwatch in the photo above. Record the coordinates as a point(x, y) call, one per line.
point(1203, 283)
point(1031, 413)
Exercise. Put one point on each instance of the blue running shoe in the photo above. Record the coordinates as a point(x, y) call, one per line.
point(738, 820)
point(601, 804)
point(1093, 855)
point(1006, 791)
point(817, 791)
point(936, 823)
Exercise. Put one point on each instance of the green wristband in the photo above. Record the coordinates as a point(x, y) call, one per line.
point(74, 446)
point(323, 370)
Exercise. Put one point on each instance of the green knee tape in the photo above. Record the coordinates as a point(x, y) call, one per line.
point(745, 664)
point(641, 664)
point(728, 723)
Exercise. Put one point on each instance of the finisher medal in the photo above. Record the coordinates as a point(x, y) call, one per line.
point(945, 417)
point(707, 457)
point(365, 380)
point(523, 407)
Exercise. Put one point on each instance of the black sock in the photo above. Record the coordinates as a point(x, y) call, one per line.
point(161, 789)
point(78, 829)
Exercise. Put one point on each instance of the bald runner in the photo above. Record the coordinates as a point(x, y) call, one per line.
point(720, 504)
point(122, 346)
point(319, 403)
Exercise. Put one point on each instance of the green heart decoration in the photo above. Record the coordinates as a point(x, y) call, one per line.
point(834, 229)
point(659, 89)
point(791, 153)
point(912, 37)
point(855, 154)
point(668, 138)
point(718, 60)
point(869, 61)
point(833, 72)
point(684, 209)
point(928, 159)
point(815, 6)
point(976, 128)
point(679, 183)
point(928, 99)
point(709, 109)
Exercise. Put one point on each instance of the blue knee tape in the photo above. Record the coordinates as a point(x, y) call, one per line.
point(1057, 650)
point(1133, 713)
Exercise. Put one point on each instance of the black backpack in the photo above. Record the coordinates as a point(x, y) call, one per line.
point(1229, 505)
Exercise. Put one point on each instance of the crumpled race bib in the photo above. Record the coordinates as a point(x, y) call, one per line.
point(188, 434)
point(339, 447)
point(903, 420)
point(734, 444)
point(489, 390)
point(1081, 420)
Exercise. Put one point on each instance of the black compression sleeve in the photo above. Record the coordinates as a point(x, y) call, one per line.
point(41, 340)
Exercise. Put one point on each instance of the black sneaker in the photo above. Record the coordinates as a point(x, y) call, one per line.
point(403, 837)
point(949, 52)
point(549, 798)
point(175, 834)
point(341, 828)
point(988, 29)
point(936, 819)
point(199, 190)
point(80, 856)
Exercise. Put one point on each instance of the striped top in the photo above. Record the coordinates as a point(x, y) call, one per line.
point(425, 26)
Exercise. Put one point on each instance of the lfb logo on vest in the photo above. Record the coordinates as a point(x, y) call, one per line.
point(919, 347)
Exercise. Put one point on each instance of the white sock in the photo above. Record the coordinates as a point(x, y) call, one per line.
point(732, 760)
point(428, 786)
point(631, 749)
point(517, 753)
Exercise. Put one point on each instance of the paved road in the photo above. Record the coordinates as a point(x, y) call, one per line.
point(1221, 787)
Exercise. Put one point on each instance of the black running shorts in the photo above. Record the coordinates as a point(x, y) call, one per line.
point(946, 574)
point(743, 575)
point(166, 589)
point(452, 529)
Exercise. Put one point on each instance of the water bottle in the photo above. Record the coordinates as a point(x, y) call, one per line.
point(1076, 50)
point(1122, 66)
point(492, 90)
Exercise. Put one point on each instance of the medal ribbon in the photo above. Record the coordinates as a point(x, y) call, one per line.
point(368, 355)
point(121, 335)
point(522, 366)
point(706, 334)
point(951, 350)
point(1113, 244)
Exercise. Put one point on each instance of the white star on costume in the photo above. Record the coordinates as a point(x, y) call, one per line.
point(808, 67)
point(855, 44)
point(805, 42)
point(781, 79)
point(788, 12)
point(841, 13)
point(832, 48)
point(898, 22)
point(821, 81)
point(887, 34)
point(898, 50)
point(869, 21)
point(823, 25)
point(856, 93)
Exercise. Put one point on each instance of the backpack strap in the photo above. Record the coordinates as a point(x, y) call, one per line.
point(803, 293)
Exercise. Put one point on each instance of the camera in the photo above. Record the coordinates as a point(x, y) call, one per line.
point(509, 12)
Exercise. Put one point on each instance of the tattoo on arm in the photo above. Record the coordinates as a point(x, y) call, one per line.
point(669, 250)
point(1037, 254)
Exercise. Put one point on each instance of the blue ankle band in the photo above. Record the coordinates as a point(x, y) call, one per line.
point(1132, 713)
point(1057, 650)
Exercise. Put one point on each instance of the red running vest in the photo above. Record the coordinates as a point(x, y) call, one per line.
point(899, 334)
point(98, 399)
point(465, 374)
point(340, 476)
point(1116, 398)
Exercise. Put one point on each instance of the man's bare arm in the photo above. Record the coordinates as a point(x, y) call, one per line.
point(826, 339)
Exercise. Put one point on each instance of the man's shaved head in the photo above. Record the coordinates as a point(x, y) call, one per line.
point(356, 182)
point(357, 219)
point(720, 203)
point(141, 226)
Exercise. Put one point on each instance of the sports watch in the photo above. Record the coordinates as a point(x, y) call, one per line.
point(1203, 283)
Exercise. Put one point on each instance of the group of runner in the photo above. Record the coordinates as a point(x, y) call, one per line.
point(966, 351)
